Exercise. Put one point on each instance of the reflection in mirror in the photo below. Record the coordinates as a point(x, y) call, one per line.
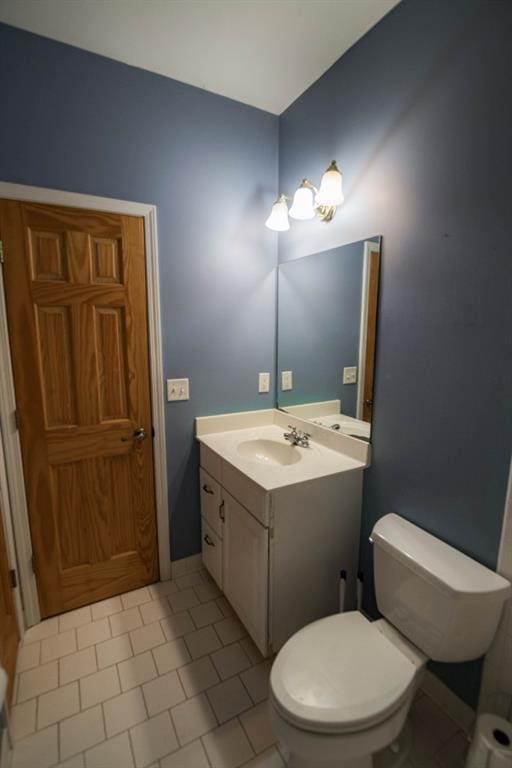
point(327, 315)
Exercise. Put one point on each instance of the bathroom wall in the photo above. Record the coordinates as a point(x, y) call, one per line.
point(319, 320)
point(418, 117)
point(76, 121)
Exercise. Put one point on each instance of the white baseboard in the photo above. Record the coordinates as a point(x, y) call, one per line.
point(460, 712)
point(186, 565)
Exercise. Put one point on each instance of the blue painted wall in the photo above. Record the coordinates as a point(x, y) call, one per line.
point(76, 121)
point(319, 319)
point(419, 116)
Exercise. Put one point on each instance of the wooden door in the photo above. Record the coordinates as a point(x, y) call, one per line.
point(245, 569)
point(371, 331)
point(76, 306)
point(9, 634)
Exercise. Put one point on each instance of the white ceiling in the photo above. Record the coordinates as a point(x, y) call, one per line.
point(261, 52)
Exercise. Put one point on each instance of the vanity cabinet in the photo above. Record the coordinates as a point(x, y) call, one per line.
point(277, 555)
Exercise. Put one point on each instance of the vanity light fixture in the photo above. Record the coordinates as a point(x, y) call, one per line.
point(308, 201)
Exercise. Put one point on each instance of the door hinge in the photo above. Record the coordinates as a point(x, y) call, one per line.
point(13, 579)
point(1, 252)
point(17, 420)
point(152, 431)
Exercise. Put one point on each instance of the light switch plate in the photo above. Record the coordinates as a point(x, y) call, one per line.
point(177, 389)
point(286, 380)
point(263, 383)
point(350, 375)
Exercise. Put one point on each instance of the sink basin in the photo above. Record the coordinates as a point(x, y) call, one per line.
point(269, 452)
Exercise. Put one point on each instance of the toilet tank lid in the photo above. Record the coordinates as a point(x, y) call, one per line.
point(437, 561)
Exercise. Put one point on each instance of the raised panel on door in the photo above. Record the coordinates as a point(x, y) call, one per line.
point(76, 305)
point(245, 569)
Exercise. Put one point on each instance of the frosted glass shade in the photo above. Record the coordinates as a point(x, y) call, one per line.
point(302, 207)
point(278, 219)
point(331, 187)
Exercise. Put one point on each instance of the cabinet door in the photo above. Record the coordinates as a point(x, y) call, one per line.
point(245, 569)
point(212, 552)
point(211, 503)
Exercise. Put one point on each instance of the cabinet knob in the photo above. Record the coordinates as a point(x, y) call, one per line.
point(208, 541)
point(207, 489)
point(221, 511)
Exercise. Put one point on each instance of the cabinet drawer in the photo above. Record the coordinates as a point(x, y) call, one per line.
point(252, 496)
point(211, 462)
point(212, 552)
point(211, 499)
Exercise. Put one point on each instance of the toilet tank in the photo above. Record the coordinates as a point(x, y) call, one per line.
point(443, 601)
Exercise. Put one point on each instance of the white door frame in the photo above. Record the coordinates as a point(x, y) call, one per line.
point(10, 435)
point(369, 247)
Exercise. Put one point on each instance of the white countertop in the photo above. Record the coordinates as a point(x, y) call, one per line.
point(315, 461)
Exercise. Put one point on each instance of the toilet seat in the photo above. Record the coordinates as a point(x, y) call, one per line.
point(339, 675)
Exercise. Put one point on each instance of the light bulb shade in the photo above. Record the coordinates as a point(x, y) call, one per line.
point(331, 187)
point(302, 206)
point(278, 219)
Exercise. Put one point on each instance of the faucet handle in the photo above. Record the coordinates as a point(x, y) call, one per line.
point(293, 429)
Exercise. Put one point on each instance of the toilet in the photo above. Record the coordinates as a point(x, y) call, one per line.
point(341, 687)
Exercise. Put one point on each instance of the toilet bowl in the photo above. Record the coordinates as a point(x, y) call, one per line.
point(341, 687)
point(340, 690)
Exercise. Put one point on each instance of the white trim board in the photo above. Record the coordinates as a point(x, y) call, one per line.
point(11, 440)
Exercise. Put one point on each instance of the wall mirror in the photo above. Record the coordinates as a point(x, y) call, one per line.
point(327, 317)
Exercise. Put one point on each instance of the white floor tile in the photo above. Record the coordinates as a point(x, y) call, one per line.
point(147, 637)
point(171, 656)
point(106, 608)
point(74, 619)
point(163, 588)
point(40, 749)
point(256, 681)
point(163, 693)
point(191, 756)
point(29, 656)
point(113, 651)
point(230, 660)
point(77, 665)
point(136, 597)
point(228, 746)
point(155, 610)
point(22, 721)
point(137, 670)
point(113, 753)
point(92, 633)
point(189, 580)
point(123, 622)
point(202, 641)
point(206, 613)
point(224, 606)
point(80, 732)
point(180, 601)
point(271, 758)
point(228, 699)
point(78, 761)
point(193, 718)
point(198, 676)
point(207, 592)
point(177, 626)
point(99, 687)
point(256, 723)
point(38, 680)
point(60, 645)
point(153, 739)
point(229, 630)
point(124, 711)
point(56, 705)
point(46, 628)
point(252, 652)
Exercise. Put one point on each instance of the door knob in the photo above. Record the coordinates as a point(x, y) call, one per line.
point(139, 434)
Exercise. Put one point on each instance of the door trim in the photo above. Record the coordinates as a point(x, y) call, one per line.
point(7, 401)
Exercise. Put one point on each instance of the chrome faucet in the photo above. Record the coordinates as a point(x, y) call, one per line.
point(297, 437)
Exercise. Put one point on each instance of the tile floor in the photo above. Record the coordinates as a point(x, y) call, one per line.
point(164, 677)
